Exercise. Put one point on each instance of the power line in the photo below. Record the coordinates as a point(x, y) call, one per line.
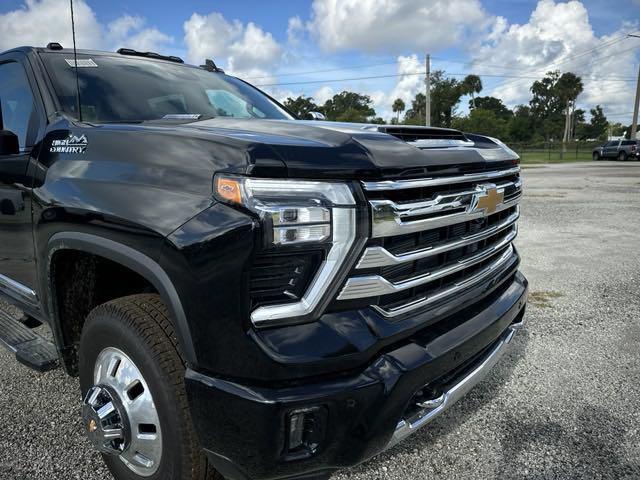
point(573, 57)
point(453, 74)
point(538, 70)
point(309, 72)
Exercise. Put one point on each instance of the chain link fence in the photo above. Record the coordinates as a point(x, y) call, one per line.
point(553, 152)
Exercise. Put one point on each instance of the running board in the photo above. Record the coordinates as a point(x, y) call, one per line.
point(30, 349)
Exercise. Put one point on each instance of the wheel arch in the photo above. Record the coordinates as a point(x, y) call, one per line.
point(127, 257)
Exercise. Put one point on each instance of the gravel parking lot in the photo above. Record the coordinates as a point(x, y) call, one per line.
point(564, 403)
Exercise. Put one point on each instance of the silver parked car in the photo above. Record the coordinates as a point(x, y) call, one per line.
point(620, 149)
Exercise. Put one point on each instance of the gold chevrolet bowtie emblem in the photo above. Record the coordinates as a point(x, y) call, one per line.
point(490, 199)
point(93, 426)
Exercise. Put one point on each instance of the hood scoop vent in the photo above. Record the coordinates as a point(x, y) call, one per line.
point(427, 137)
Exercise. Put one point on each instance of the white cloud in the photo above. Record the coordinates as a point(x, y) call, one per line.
point(394, 25)
point(39, 22)
point(408, 86)
point(254, 49)
point(560, 36)
point(209, 36)
point(294, 28)
point(323, 94)
point(247, 49)
point(128, 31)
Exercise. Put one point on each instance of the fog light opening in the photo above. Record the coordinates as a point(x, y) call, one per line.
point(305, 432)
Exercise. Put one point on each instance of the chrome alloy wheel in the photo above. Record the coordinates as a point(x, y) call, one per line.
point(119, 413)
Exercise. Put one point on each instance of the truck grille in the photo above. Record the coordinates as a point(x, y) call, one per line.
point(432, 238)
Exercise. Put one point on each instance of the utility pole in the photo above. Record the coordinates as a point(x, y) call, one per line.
point(427, 81)
point(634, 123)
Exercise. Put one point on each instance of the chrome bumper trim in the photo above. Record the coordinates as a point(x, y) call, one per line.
point(435, 407)
point(457, 287)
point(380, 257)
point(430, 182)
point(375, 285)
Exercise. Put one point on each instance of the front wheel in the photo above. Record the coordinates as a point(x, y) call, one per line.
point(622, 156)
point(596, 156)
point(132, 379)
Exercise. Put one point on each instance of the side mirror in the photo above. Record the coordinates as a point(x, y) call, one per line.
point(9, 144)
point(316, 116)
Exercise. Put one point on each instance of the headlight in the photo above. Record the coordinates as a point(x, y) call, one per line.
point(297, 212)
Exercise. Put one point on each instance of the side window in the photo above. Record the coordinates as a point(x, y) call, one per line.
point(16, 100)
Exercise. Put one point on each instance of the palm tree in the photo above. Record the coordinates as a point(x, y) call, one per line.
point(398, 107)
point(470, 86)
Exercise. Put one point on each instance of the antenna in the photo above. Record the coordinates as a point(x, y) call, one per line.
point(75, 61)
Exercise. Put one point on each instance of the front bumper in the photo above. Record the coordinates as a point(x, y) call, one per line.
point(243, 428)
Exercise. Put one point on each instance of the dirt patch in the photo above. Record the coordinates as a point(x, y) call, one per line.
point(543, 298)
point(546, 195)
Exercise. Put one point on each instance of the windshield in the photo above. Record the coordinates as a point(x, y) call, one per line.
point(124, 89)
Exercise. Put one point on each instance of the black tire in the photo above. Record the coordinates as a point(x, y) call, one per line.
point(139, 325)
point(622, 156)
point(596, 156)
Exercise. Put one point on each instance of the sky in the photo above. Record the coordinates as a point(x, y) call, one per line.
point(318, 48)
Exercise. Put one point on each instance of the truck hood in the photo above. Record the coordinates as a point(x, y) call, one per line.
point(320, 149)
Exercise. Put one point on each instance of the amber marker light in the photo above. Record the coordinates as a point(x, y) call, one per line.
point(229, 189)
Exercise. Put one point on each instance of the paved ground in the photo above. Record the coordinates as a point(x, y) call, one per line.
point(564, 403)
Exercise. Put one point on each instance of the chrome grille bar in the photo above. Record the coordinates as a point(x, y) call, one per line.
point(460, 200)
point(375, 285)
point(391, 218)
point(455, 288)
point(388, 215)
point(380, 257)
point(430, 182)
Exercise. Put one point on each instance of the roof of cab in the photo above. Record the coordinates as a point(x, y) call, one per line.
point(69, 51)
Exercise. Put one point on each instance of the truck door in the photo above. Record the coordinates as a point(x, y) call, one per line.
point(19, 116)
point(610, 149)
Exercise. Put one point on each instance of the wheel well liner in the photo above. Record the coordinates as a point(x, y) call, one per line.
point(134, 260)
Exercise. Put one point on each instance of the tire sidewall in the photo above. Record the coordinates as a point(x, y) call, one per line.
point(104, 330)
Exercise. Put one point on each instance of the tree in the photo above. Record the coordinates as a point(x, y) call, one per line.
point(416, 114)
point(349, 107)
point(553, 102)
point(576, 120)
point(483, 122)
point(568, 87)
point(493, 104)
point(470, 85)
point(398, 107)
point(521, 126)
point(301, 106)
point(597, 127)
point(618, 130)
point(445, 96)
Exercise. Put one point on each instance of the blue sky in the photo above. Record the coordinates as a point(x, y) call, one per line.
point(272, 43)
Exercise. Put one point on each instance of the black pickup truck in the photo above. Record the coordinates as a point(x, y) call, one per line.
point(243, 293)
